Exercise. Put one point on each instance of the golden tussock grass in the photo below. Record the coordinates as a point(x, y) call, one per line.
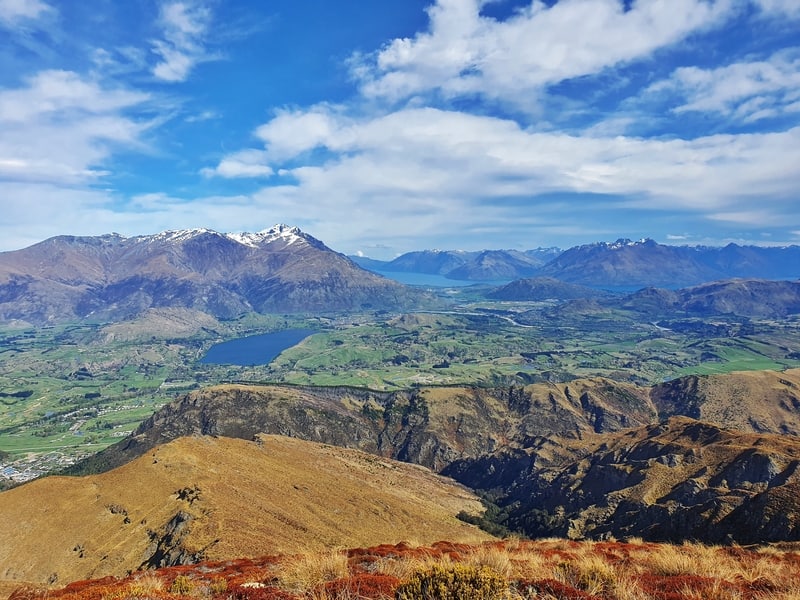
point(533, 570)
point(305, 572)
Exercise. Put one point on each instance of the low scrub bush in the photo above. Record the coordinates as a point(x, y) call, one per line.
point(453, 583)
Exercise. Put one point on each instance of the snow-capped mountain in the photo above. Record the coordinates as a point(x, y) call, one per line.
point(280, 269)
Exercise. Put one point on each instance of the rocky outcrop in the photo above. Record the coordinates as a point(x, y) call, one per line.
point(429, 426)
point(166, 547)
point(679, 480)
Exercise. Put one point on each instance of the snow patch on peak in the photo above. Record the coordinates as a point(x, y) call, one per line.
point(288, 234)
point(282, 228)
point(623, 242)
point(180, 235)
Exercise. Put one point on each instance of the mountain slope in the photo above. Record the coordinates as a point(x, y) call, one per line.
point(219, 498)
point(111, 277)
point(543, 288)
point(679, 480)
point(751, 401)
point(429, 426)
point(491, 265)
point(436, 426)
point(430, 262)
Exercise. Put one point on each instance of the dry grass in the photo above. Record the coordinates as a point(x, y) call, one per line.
point(534, 570)
point(306, 572)
point(276, 496)
point(146, 585)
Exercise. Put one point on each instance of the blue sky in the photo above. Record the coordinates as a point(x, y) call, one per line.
point(394, 125)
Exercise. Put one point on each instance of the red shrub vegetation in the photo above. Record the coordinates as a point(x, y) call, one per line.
point(677, 587)
point(553, 588)
point(363, 586)
point(261, 593)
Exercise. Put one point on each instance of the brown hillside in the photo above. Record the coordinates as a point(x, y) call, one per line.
point(220, 498)
point(428, 426)
point(678, 480)
point(758, 401)
point(440, 425)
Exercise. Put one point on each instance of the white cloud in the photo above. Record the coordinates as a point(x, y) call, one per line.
point(185, 25)
point(293, 132)
point(435, 153)
point(465, 53)
point(430, 171)
point(61, 127)
point(247, 163)
point(14, 11)
point(746, 91)
point(790, 8)
point(55, 91)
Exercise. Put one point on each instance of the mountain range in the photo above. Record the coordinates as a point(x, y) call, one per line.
point(284, 270)
point(624, 263)
point(111, 277)
point(643, 263)
point(483, 265)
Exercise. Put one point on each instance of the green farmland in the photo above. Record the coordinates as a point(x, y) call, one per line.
point(74, 389)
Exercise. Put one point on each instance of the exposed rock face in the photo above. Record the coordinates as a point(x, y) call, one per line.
point(112, 277)
point(682, 479)
point(430, 426)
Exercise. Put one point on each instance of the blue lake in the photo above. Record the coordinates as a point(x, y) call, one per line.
point(255, 349)
point(426, 280)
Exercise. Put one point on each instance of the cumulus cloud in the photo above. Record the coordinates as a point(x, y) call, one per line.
point(247, 163)
point(747, 91)
point(291, 133)
point(466, 53)
point(430, 170)
point(184, 25)
point(15, 11)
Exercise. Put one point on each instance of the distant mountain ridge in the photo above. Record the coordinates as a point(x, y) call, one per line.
point(623, 263)
point(483, 265)
point(280, 269)
point(751, 298)
point(646, 263)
